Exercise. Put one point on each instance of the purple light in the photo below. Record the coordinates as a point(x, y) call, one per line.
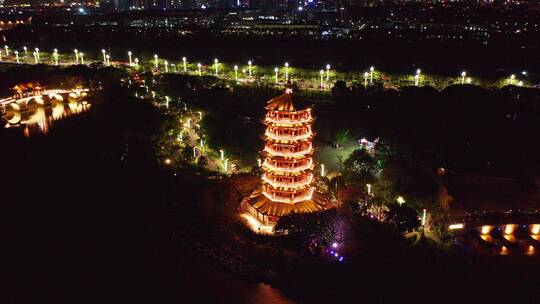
point(331, 251)
point(334, 245)
point(336, 255)
point(340, 259)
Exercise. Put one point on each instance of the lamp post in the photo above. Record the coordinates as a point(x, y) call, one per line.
point(463, 74)
point(17, 56)
point(108, 59)
point(81, 54)
point(368, 193)
point(222, 155)
point(200, 115)
point(104, 53)
point(0, 56)
point(216, 64)
point(166, 63)
point(199, 66)
point(184, 60)
point(136, 62)
point(327, 72)
point(7, 50)
point(156, 63)
point(512, 78)
point(276, 71)
point(371, 70)
point(424, 215)
point(322, 170)
point(417, 77)
point(249, 68)
point(55, 56)
point(226, 165)
point(286, 71)
point(321, 72)
point(365, 79)
point(35, 57)
point(25, 51)
point(37, 54)
point(236, 73)
point(77, 55)
point(129, 56)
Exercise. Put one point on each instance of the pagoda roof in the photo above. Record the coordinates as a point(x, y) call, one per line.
point(268, 207)
point(289, 102)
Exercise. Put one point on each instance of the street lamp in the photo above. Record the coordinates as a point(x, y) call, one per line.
point(322, 170)
point(286, 71)
point(104, 53)
point(327, 72)
point(216, 64)
point(463, 74)
point(25, 51)
point(424, 215)
point(371, 70)
point(222, 155)
point(17, 56)
point(108, 60)
point(7, 50)
point(200, 115)
point(166, 63)
point(129, 55)
point(321, 72)
point(156, 63)
point(249, 68)
point(81, 54)
point(185, 64)
point(236, 73)
point(400, 200)
point(35, 57)
point(37, 53)
point(137, 62)
point(199, 66)
point(276, 70)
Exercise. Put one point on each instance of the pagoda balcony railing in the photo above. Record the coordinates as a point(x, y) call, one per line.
point(301, 183)
point(288, 120)
point(300, 153)
point(308, 165)
point(274, 136)
point(289, 199)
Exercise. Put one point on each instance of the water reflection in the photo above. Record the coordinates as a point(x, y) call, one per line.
point(38, 118)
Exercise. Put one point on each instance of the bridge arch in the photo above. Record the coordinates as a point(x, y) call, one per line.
point(12, 113)
point(34, 102)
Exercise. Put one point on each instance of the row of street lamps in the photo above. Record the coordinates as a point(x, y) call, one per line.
point(134, 62)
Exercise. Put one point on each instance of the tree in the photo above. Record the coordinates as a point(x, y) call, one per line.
point(360, 167)
point(401, 178)
point(403, 217)
point(202, 162)
point(320, 226)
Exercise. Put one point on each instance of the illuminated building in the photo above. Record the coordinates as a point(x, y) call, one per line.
point(287, 179)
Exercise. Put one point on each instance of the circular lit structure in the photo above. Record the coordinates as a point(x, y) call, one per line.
point(287, 179)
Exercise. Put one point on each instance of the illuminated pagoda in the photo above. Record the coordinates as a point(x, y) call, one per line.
point(287, 179)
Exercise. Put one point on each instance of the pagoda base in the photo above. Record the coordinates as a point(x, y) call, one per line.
point(268, 212)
